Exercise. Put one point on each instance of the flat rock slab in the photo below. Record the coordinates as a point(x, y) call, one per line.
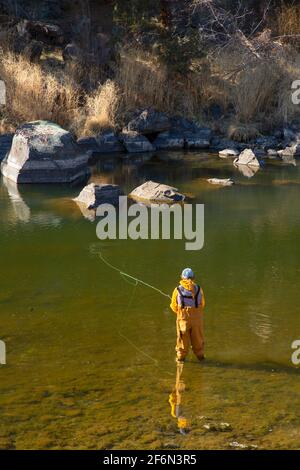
point(93, 195)
point(135, 142)
point(157, 192)
point(247, 157)
point(43, 152)
point(228, 153)
point(291, 151)
point(221, 181)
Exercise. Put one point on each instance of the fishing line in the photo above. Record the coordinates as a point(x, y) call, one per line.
point(135, 282)
point(127, 276)
point(126, 311)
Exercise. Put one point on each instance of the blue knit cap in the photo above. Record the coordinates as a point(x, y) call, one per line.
point(187, 273)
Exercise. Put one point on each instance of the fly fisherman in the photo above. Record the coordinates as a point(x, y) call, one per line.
point(188, 303)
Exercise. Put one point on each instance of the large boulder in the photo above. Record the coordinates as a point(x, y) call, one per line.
point(169, 140)
point(156, 192)
point(5, 144)
point(247, 157)
point(198, 140)
point(182, 124)
point(106, 142)
point(43, 152)
point(135, 142)
point(93, 195)
point(149, 121)
point(47, 33)
point(195, 136)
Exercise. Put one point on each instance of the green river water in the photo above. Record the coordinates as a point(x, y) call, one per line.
point(90, 357)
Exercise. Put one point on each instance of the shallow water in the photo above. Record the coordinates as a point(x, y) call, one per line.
point(90, 357)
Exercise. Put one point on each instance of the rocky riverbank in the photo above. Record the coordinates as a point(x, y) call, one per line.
point(43, 152)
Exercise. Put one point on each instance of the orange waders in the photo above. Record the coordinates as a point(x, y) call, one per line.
point(188, 303)
point(190, 332)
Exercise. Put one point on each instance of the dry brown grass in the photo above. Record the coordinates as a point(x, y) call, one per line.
point(101, 108)
point(260, 92)
point(7, 124)
point(288, 22)
point(259, 89)
point(144, 82)
point(256, 91)
point(35, 94)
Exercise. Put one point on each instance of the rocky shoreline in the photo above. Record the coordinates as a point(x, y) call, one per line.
point(43, 152)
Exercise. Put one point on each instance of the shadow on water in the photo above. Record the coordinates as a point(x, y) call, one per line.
point(263, 367)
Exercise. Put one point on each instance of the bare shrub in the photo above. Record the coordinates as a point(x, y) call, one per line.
point(242, 132)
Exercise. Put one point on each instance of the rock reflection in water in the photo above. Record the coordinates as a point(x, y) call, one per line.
point(19, 206)
point(21, 209)
point(247, 171)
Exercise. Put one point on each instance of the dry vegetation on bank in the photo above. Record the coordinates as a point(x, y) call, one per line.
point(254, 91)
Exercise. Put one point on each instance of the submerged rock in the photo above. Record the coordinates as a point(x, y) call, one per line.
point(169, 140)
point(93, 195)
point(247, 157)
point(149, 121)
point(43, 152)
point(156, 192)
point(237, 445)
point(217, 427)
point(135, 142)
point(221, 181)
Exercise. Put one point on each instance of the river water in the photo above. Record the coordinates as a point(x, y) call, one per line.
point(90, 356)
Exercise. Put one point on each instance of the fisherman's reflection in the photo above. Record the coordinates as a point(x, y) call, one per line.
point(175, 400)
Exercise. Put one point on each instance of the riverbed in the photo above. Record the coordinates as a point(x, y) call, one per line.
point(90, 354)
